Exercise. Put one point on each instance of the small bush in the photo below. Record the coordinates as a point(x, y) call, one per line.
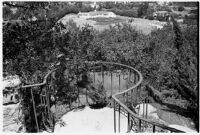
point(71, 9)
point(181, 8)
point(161, 18)
point(190, 20)
point(191, 16)
point(150, 17)
point(86, 9)
point(176, 16)
point(125, 12)
point(194, 11)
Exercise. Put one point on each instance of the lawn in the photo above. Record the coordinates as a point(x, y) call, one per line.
point(107, 21)
point(142, 25)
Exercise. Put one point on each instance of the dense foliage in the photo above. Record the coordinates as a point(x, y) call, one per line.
point(35, 21)
point(125, 12)
point(167, 58)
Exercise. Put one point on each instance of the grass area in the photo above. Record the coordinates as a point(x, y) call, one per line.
point(107, 21)
point(142, 25)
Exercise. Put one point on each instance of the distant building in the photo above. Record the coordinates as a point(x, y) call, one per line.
point(153, 5)
point(160, 14)
point(96, 14)
point(94, 5)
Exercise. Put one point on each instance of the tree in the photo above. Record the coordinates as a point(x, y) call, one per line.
point(150, 12)
point(181, 8)
point(6, 12)
point(142, 10)
point(167, 60)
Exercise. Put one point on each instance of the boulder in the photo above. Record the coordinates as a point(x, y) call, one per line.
point(85, 100)
point(10, 97)
point(11, 81)
point(172, 118)
point(183, 128)
point(151, 110)
point(12, 117)
point(12, 114)
point(10, 94)
point(159, 114)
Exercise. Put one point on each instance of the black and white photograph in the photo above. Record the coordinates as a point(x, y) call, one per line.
point(100, 67)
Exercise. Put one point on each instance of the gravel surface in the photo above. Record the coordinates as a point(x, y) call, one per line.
point(90, 121)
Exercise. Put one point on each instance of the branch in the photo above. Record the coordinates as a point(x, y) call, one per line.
point(13, 5)
point(187, 92)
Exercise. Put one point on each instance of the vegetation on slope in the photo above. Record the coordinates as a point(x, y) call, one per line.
point(167, 58)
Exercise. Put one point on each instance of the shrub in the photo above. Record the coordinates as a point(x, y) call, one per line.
point(125, 12)
point(181, 8)
point(162, 18)
point(142, 10)
point(194, 11)
point(190, 20)
point(150, 17)
point(86, 9)
point(71, 9)
point(6, 12)
point(176, 16)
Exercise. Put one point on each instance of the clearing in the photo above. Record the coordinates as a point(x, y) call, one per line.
point(142, 25)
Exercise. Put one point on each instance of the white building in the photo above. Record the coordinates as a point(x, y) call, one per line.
point(160, 13)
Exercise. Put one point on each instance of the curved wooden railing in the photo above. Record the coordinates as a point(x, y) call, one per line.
point(125, 97)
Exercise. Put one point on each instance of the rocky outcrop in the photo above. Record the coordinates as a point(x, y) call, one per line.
point(11, 81)
point(10, 94)
point(10, 97)
point(12, 114)
point(12, 118)
point(183, 128)
point(159, 114)
point(151, 111)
